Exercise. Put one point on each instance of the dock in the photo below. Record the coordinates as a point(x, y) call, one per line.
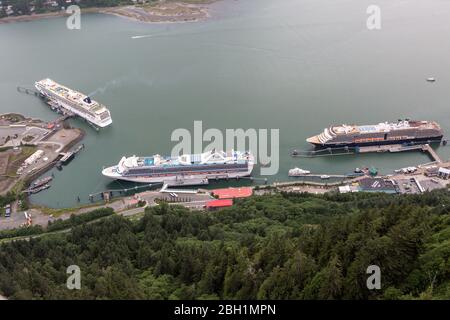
point(394, 148)
point(65, 114)
point(186, 181)
point(67, 156)
point(324, 152)
point(165, 189)
point(319, 176)
point(121, 192)
point(64, 117)
point(29, 91)
point(432, 153)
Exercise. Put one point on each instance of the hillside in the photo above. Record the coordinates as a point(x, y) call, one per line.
point(286, 246)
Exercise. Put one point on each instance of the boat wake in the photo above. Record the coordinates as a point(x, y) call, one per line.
point(141, 37)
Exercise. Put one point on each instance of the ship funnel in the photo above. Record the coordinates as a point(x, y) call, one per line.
point(87, 100)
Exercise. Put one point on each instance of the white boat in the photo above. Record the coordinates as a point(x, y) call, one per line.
point(296, 172)
point(324, 176)
point(187, 169)
point(68, 100)
point(431, 79)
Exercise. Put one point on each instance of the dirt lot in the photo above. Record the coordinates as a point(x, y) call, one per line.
point(162, 12)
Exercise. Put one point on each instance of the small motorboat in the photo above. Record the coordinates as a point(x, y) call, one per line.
point(324, 176)
point(40, 182)
point(297, 172)
point(431, 79)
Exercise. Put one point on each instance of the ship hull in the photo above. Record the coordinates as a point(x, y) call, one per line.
point(436, 139)
point(186, 179)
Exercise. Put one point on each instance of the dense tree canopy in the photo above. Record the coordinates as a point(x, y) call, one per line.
point(285, 246)
point(24, 7)
point(27, 7)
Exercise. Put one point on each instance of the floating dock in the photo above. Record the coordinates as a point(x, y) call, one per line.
point(67, 156)
point(392, 148)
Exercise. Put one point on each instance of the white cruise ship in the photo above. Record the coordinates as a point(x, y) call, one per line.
point(60, 96)
point(187, 169)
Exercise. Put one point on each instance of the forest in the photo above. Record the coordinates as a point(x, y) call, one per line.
point(281, 246)
point(26, 7)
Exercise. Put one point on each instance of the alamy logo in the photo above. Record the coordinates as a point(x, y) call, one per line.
point(73, 22)
point(74, 280)
point(255, 141)
point(374, 19)
point(374, 280)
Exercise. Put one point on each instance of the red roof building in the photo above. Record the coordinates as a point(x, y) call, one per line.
point(213, 204)
point(231, 193)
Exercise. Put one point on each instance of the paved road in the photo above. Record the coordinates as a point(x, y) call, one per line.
point(199, 204)
point(132, 212)
point(17, 219)
point(124, 206)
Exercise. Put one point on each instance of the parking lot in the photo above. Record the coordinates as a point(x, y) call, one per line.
point(13, 136)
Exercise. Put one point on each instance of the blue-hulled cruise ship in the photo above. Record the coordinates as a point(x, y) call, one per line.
point(187, 169)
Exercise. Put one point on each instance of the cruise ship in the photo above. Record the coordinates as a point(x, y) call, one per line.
point(187, 169)
point(402, 131)
point(61, 97)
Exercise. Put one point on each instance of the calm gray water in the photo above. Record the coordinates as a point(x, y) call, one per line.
point(295, 65)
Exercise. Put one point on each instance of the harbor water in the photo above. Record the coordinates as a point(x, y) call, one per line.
point(293, 65)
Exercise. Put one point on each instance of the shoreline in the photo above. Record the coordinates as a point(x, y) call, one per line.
point(64, 136)
point(171, 12)
point(42, 16)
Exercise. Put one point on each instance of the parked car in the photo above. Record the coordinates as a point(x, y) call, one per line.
point(8, 211)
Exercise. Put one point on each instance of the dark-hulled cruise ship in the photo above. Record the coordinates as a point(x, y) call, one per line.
point(403, 131)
